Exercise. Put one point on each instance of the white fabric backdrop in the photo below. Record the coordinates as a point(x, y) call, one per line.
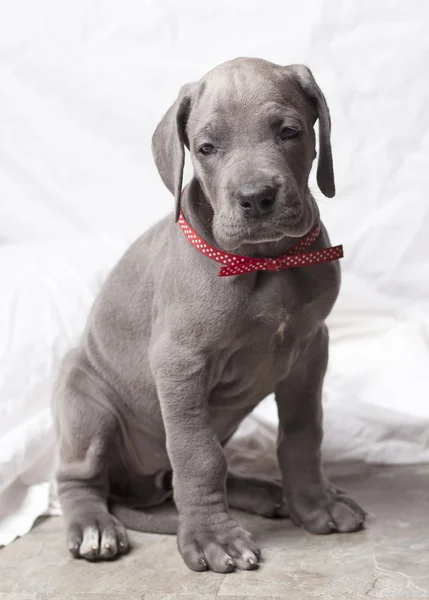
point(82, 86)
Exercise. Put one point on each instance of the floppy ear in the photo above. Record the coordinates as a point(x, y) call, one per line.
point(168, 144)
point(325, 168)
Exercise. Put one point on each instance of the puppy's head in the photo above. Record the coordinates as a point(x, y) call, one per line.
point(248, 125)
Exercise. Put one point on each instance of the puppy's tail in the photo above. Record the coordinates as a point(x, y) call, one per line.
point(157, 519)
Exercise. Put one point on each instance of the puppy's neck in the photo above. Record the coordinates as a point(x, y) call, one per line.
point(199, 214)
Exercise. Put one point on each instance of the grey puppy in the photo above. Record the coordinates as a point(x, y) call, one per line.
point(174, 357)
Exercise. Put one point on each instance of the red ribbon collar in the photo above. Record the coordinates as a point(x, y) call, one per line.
point(234, 264)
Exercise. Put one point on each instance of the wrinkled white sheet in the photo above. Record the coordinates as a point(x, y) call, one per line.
point(82, 86)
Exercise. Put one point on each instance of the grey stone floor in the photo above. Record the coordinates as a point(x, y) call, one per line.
point(390, 559)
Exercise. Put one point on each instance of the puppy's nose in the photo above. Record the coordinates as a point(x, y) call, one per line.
point(256, 199)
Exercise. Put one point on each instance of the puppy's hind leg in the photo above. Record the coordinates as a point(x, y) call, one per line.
point(156, 519)
point(144, 503)
point(256, 495)
point(85, 427)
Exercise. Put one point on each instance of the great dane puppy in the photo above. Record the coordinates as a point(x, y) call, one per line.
point(174, 357)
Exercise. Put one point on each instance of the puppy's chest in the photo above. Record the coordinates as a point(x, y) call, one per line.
point(270, 333)
point(292, 304)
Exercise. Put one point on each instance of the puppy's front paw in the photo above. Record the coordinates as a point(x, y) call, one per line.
point(221, 547)
point(328, 512)
point(97, 537)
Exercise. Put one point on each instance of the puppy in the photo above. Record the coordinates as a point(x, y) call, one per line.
point(205, 315)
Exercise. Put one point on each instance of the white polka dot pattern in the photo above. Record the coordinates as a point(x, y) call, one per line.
point(234, 264)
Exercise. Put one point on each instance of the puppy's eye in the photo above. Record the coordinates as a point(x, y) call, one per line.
point(206, 149)
point(288, 133)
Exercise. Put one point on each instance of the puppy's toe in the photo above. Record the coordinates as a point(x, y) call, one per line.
point(90, 545)
point(345, 517)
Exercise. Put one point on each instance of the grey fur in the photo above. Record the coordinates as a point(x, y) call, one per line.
point(173, 357)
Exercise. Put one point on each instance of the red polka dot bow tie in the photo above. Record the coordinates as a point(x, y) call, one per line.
point(234, 264)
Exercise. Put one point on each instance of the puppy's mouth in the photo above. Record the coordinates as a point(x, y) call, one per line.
point(257, 230)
